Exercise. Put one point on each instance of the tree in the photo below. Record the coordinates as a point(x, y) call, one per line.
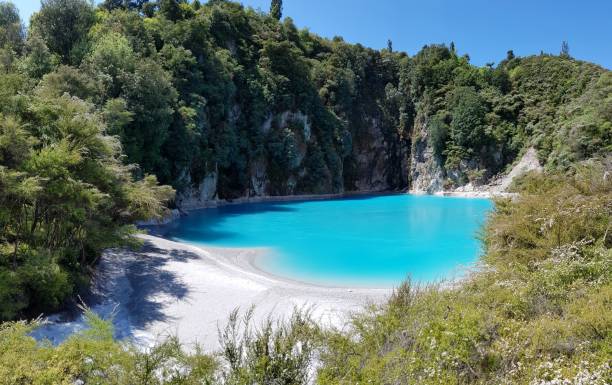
point(438, 135)
point(113, 4)
point(171, 9)
point(467, 128)
point(62, 24)
point(73, 81)
point(276, 9)
point(148, 9)
point(111, 58)
point(565, 52)
point(150, 97)
point(11, 28)
point(124, 4)
point(38, 60)
point(65, 195)
point(510, 55)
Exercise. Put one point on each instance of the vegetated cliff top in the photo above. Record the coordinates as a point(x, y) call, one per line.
point(194, 90)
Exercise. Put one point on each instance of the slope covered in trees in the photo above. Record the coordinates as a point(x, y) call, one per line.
point(221, 101)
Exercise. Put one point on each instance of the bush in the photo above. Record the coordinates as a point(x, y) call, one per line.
point(278, 352)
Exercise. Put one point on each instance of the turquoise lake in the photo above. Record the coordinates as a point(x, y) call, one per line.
point(365, 240)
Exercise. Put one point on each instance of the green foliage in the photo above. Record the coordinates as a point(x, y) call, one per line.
point(111, 59)
point(171, 9)
point(275, 353)
point(66, 79)
point(63, 24)
point(11, 30)
point(276, 9)
point(150, 96)
point(468, 115)
point(38, 60)
point(189, 89)
point(586, 131)
point(65, 196)
point(278, 352)
point(564, 50)
point(93, 357)
point(438, 135)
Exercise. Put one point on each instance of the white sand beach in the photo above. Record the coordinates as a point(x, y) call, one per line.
point(171, 288)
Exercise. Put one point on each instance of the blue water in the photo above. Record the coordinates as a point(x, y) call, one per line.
point(372, 240)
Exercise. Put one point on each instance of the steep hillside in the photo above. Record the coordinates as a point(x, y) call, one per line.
point(221, 102)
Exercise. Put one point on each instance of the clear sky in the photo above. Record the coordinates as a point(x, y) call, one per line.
point(485, 29)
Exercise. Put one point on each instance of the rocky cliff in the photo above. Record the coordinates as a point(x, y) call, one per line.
point(376, 164)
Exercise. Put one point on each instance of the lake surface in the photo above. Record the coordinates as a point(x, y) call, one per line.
point(365, 240)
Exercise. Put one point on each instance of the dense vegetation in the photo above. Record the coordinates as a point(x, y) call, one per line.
point(96, 101)
point(218, 89)
point(65, 191)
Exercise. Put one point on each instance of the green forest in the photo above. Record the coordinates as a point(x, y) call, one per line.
point(116, 113)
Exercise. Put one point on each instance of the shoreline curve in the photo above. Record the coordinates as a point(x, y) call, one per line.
point(180, 289)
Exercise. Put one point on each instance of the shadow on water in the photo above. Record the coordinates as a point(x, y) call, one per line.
point(201, 224)
point(250, 208)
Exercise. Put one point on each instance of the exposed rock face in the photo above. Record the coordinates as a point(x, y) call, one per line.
point(528, 162)
point(378, 164)
point(379, 161)
point(299, 117)
point(371, 154)
point(425, 170)
point(195, 197)
point(259, 178)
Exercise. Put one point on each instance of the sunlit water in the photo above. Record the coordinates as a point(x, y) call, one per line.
point(371, 240)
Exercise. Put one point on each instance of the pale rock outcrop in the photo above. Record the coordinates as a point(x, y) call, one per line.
point(259, 178)
point(283, 120)
point(371, 154)
point(426, 173)
point(379, 165)
point(199, 196)
point(528, 162)
point(298, 116)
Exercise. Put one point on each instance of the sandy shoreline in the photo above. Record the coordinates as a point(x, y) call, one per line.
point(476, 194)
point(171, 288)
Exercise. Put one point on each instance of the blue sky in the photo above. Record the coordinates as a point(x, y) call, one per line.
point(485, 29)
